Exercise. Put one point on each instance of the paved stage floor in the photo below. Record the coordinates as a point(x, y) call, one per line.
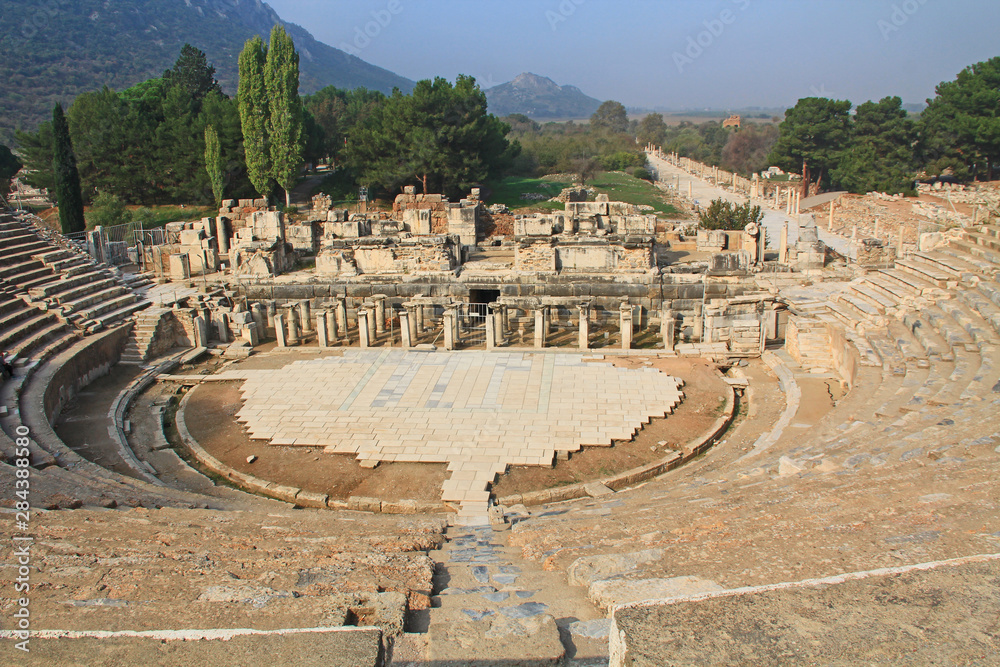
point(476, 411)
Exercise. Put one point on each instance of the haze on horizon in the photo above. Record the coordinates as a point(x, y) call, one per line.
point(670, 54)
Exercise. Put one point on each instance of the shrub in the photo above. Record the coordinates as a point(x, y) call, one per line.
point(721, 214)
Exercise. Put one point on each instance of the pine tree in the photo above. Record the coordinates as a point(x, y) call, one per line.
point(67, 178)
point(281, 79)
point(252, 100)
point(213, 162)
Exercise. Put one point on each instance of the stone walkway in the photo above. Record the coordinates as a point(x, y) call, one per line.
point(479, 412)
point(774, 220)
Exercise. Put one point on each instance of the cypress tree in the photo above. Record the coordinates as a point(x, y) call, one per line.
point(67, 178)
point(281, 78)
point(213, 162)
point(251, 98)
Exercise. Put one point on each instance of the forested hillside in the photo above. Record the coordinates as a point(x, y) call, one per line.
point(54, 50)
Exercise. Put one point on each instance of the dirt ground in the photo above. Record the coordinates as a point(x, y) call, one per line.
point(211, 411)
point(210, 418)
point(703, 403)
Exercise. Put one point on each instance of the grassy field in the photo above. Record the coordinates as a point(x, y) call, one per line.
point(509, 190)
point(619, 186)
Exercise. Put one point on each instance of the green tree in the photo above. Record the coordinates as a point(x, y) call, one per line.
point(213, 162)
point(746, 151)
point(9, 166)
point(881, 152)
point(252, 101)
point(610, 116)
point(962, 123)
point(108, 211)
point(192, 73)
point(812, 136)
point(721, 214)
point(652, 129)
point(440, 136)
point(281, 80)
point(66, 177)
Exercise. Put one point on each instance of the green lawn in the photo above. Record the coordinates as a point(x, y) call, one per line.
point(619, 186)
point(509, 191)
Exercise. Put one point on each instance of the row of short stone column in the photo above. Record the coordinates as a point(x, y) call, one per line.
point(331, 325)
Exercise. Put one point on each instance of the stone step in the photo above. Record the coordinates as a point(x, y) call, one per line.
point(75, 295)
point(926, 275)
point(953, 266)
point(908, 346)
point(979, 330)
point(985, 240)
point(880, 301)
point(952, 333)
point(116, 316)
point(912, 381)
point(25, 324)
point(929, 339)
point(970, 247)
point(958, 253)
point(96, 298)
point(892, 290)
point(28, 345)
point(113, 304)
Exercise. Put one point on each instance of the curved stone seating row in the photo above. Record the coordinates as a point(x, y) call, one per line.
point(65, 479)
point(60, 279)
point(917, 429)
point(194, 569)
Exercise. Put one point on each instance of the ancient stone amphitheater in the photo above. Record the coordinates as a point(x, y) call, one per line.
point(849, 515)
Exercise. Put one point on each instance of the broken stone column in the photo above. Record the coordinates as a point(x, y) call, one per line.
point(280, 331)
point(496, 310)
point(380, 300)
point(322, 333)
point(417, 321)
point(412, 321)
point(272, 311)
point(200, 332)
point(293, 327)
point(305, 316)
point(250, 334)
point(584, 327)
point(221, 236)
point(364, 327)
point(625, 319)
point(505, 314)
point(449, 329)
point(699, 322)
point(221, 321)
point(491, 336)
point(456, 321)
point(539, 328)
point(331, 326)
point(372, 320)
point(405, 332)
point(783, 246)
point(899, 245)
point(667, 329)
point(341, 318)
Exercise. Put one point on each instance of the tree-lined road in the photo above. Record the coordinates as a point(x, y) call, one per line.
point(705, 192)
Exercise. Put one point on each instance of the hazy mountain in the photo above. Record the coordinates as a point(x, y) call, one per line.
point(540, 98)
point(55, 50)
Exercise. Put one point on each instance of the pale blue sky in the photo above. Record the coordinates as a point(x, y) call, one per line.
point(646, 53)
